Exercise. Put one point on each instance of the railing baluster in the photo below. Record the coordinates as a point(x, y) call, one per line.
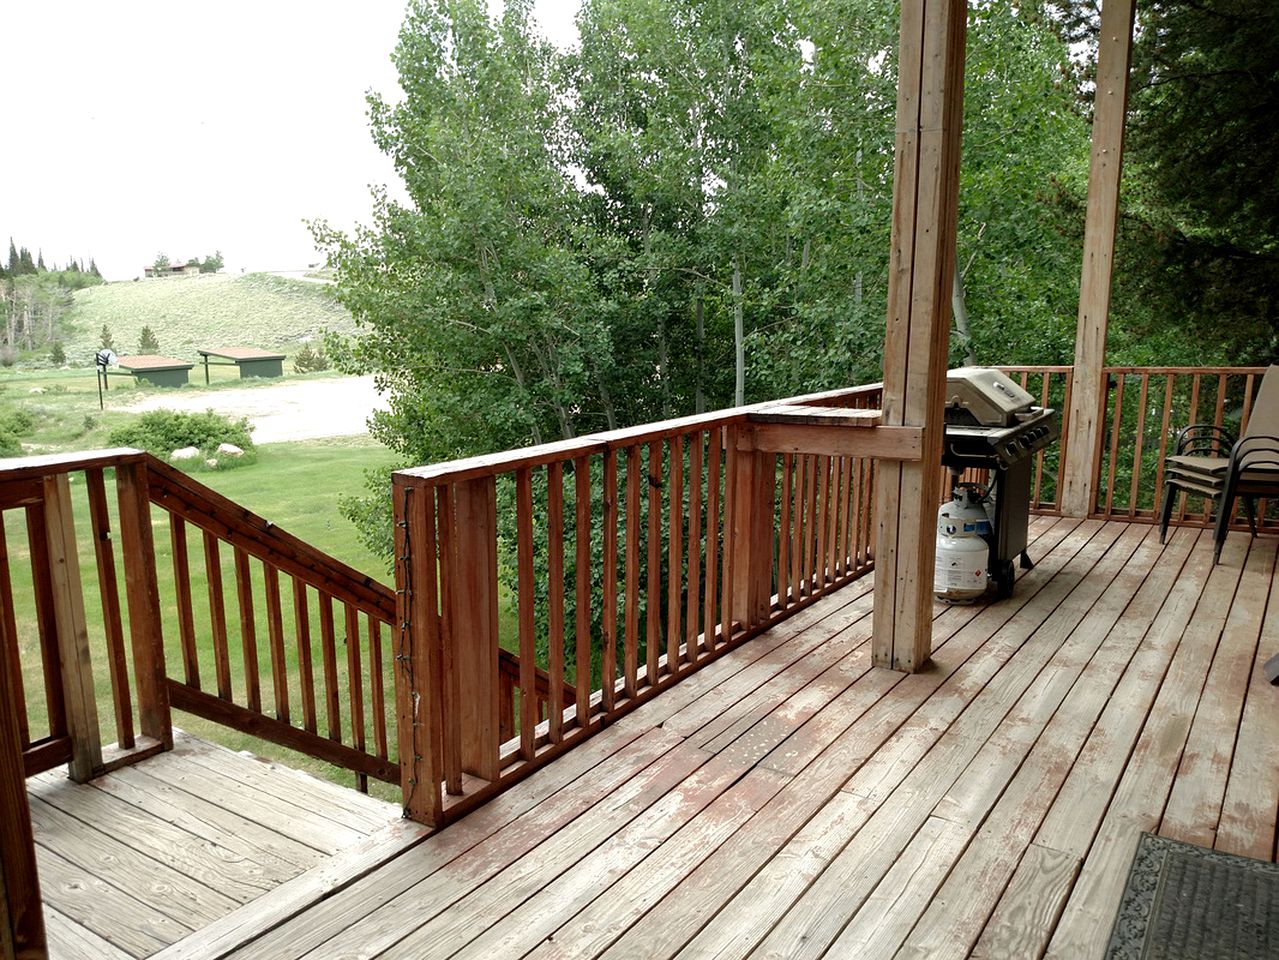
point(182, 597)
point(810, 528)
point(630, 649)
point(839, 543)
point(823, 511)
point(328, 652)
point(1116, 427)
point(217, 615)
point(306, 673)
point(55, 703)
point(555, 597)
point(355, 687)
point(1135, 482)
point(527, 612)
point(693, 604)
point(653, 588)
point(675, 553)
point(248, 630)
point(275, 637)
point(377, 687)
point(728, 560)
point(582, 603)
point(109, 593)
point(797, 531)
point(710, 620)
point(608, 668)
point(784, 535)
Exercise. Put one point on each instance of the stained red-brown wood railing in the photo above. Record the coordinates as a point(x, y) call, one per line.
point(266, 672)
point(635, 557)
point(1050, 387)
point(265, 633)
point(1144, 409)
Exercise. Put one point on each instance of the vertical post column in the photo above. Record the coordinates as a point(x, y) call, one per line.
point(142, 591)
point(921, 270)
point(73, 633)
point(755, 492)
point(1082, 444)
point(418, 657)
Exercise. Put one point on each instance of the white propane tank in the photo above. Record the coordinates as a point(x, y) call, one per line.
point(962, 551)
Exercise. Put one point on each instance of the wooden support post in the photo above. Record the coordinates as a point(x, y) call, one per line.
point(1088, 394)
point(73, 634)
point(21, 917)
point(755, 492)
point(921, 267)
point(146, 630)
point(416, 641)
point(471, 609)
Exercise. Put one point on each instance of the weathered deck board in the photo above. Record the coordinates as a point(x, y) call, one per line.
point(135, 863)
point(792, 800)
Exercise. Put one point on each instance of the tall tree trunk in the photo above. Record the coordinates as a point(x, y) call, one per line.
point(739, 335)
point(700, 321)
point(960, 309)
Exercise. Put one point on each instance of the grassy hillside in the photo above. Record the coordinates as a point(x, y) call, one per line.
point(212, 310)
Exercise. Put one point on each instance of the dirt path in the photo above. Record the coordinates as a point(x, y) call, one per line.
point(301, 410)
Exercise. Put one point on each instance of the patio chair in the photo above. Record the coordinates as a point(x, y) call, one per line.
point(1201, 464)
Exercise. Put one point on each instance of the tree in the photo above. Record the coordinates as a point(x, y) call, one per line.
point(106, 341)
point(40, 261)
point(211, 264)
point(147, 342)
point(161, 262)
point(57, 356)
point(93, 268)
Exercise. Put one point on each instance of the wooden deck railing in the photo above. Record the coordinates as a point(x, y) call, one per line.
point(633, 557)
point(1144, 409)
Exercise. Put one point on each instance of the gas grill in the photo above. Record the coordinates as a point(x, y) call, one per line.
point(993, 424)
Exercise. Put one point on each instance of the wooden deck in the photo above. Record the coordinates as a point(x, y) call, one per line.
point(790, 800)
point(134, 863)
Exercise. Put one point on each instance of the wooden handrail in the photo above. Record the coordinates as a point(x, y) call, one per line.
point(693, 564)
point(204, 507)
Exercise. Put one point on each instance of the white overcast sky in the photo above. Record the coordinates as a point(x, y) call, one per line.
point(133, 128)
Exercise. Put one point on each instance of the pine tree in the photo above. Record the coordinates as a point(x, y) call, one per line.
point(57, 356)
point(40, 267)
point(147, 342)
point(14, 264)
point(108, 341)
point(93, 268)
point(25, 263)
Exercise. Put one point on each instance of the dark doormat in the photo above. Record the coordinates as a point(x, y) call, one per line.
point(1184, 902)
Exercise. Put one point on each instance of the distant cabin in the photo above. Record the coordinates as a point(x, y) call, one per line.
point(174, 270)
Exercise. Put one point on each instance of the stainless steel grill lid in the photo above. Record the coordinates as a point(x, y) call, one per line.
point(982, 396)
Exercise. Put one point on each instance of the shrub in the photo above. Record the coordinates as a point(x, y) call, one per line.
point(147, 342)
point(163, 431)
point(108, 341)
point(57, 356)
point(310, 360)
point(14, 425)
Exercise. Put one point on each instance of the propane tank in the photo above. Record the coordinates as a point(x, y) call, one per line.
point(962, 551)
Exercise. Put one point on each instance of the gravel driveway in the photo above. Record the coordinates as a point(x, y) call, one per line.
point(301, 410)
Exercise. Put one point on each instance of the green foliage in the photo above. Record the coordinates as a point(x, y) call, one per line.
point(310, 359)
point(106, 341)
point(161, 261)
point(147, 342)
point(57, 356)
point(14, 425)
point(163, 431)
point(211, 264)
